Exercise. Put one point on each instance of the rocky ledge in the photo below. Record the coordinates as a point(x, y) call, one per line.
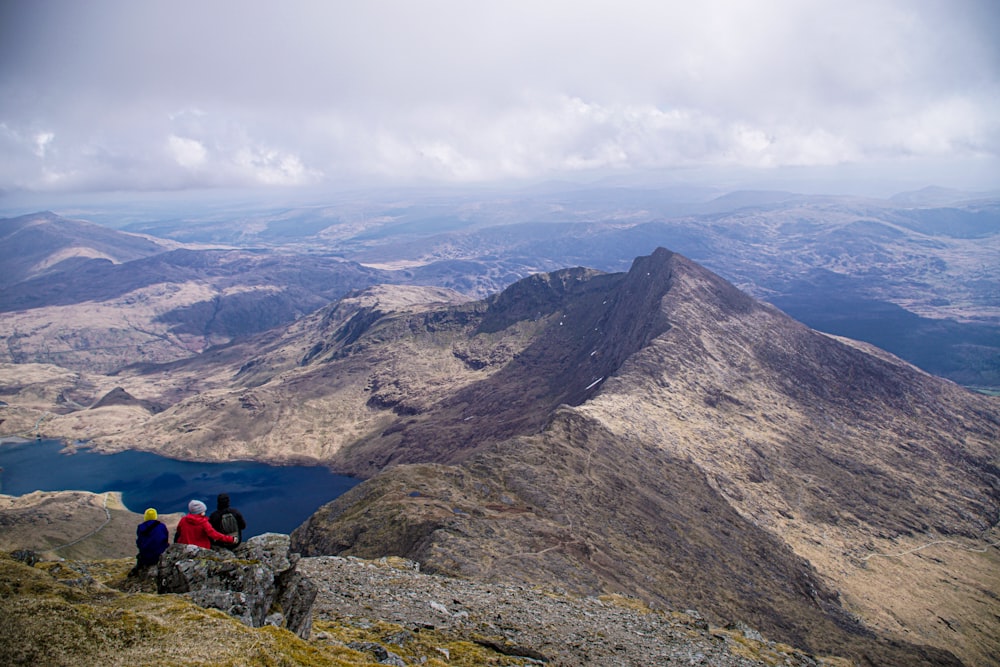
point(257, 582)
point(528, 624)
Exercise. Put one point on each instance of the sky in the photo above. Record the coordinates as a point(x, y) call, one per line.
point(126, 96)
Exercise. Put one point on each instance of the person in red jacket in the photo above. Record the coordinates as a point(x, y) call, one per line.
point(194, 528)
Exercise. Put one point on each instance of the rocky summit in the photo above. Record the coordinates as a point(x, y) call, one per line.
point(530, 625)
point(384, 611)
point(655, 434)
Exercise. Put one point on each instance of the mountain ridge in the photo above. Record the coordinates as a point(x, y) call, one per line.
point(35, 245)
point(912, 277)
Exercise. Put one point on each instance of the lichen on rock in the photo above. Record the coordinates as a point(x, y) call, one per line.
point(256, 583)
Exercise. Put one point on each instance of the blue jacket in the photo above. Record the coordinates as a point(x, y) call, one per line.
point(152, 539)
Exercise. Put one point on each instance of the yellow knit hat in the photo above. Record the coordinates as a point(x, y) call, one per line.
point(150, 514)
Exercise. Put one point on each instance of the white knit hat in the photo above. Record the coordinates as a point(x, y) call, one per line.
point(197, 507)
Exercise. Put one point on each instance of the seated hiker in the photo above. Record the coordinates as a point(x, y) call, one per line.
point(195, 529)
point(152, 539)
point(227, 520)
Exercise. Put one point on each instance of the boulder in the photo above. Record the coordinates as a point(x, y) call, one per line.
point(257, 582)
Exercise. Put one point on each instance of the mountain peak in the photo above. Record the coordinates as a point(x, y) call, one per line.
point(35, 245)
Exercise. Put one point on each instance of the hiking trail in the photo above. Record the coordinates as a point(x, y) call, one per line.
point(107, 520)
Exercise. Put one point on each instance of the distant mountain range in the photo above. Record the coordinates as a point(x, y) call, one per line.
point(656, 432)
point(915, 275)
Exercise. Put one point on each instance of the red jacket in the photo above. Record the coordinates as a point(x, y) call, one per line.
point(195, 529)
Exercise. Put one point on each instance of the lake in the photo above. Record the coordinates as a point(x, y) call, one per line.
point(273, 499)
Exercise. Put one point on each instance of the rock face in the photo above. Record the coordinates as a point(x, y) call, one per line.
point(258, 582)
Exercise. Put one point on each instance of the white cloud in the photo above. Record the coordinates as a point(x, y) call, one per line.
point(188, 153)
point(42, 142)
point(943, 127)
point(272, 167)
point(139, 95)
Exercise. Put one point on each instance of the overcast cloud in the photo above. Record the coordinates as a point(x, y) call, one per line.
point(166, 95)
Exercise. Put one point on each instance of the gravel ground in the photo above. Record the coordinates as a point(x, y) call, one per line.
point(536, 625)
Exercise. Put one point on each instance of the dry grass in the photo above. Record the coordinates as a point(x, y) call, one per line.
point(946, 593)
point(64, 614)
point(71, 524)
point(769, 653)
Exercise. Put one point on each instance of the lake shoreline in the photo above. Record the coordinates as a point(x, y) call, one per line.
point(273, 498)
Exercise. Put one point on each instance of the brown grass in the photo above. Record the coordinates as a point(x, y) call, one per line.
point(65, 614)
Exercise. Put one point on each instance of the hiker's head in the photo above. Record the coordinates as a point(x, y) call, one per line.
point(196, 507)
point(222, 502)
point(150, 514)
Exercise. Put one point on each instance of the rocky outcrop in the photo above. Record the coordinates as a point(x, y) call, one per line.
point(383, 611)
point(258, 582)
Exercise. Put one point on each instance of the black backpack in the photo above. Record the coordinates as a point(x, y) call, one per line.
point(229, 524)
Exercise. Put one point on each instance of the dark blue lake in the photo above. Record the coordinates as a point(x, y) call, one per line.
point(272, 498)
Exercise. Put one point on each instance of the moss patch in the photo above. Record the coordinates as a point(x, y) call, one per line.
point(414, 646)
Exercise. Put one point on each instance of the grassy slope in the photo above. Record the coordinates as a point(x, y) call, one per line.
point(69, 613)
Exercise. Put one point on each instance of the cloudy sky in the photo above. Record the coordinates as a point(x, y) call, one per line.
point(151, 95)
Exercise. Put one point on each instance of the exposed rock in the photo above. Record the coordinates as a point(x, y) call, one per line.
point(530, 625)
point(69, 613)
point(26, 556)
point(381, 654)
point(257, 582)
point(295, 599)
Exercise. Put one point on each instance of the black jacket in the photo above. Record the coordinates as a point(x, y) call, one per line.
point(222, 507)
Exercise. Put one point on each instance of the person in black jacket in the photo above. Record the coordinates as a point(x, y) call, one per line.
point(152, 539)
point(216, 519)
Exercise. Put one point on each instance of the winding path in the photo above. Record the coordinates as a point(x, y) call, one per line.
point(107, 520)
point(930, 544)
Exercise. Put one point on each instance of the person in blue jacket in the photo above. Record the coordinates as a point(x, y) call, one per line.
point(152, 539)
